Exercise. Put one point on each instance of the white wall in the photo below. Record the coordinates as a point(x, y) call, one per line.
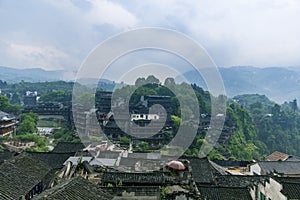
point(271, 189)
point(255, 169)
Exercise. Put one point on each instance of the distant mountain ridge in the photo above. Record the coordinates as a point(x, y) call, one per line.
point(278, 83)
point(14, 75)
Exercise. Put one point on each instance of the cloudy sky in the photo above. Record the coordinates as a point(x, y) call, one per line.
point(60, 34)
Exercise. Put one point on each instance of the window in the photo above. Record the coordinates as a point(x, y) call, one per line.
point(256, 192)
point(262, 196)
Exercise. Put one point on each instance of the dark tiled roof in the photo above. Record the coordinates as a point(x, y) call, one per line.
point(287, 179)
point(145, 155)
point(219, 168)
point(68, 147)
point(239, 180)
point(146, 192)
point(281, 167)
point(224, 193)
point(20, 174)
point(151, 163)
point(52, 159)
point(129, 162)
point(232, 163)
point(75, 189)
point(293, 158)
point(5, 155)
point(291, 190)
point(5, 116)
point(149, 178)
point(108, 154)
point(202, 170)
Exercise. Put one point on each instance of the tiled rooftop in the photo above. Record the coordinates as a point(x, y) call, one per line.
point(276, 156)
point(224, 193)
point(202, 170)
point(52, 159)
point(5, 155)
point(269, 167)
point(20, 174)
point(291, 190)
point(68, 147)
point(75, 189)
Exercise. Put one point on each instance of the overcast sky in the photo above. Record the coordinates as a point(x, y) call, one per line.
point(60, 34)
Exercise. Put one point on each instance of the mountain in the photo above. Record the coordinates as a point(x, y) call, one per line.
point(103, 84)
point(278, 83)
point(14, 75)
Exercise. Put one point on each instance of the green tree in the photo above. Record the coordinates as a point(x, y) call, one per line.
point(27, 124)
point(169, 82)
point(140, 81)
point(152, 80)
point(144, 146)
point(124, 140)
point(56, 96)
point(5, 106)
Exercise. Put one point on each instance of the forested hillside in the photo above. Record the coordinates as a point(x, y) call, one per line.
point(278, 126)
point(239, 134)
point(254, 126)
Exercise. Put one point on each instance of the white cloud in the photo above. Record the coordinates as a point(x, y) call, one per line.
point(107, 12)
point(60, 34)
point(46, 57)
point(257, 32)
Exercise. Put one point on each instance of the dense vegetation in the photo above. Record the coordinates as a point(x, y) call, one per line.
point(57, 91)
point(278, 126)
point(60, 96)
point(27, 132)
point(254, 126)
point(239, 125)
point(6, 106)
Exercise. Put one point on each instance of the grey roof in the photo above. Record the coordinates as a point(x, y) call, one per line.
point(20, 174)
point(293, 158)
point(103, 162)
point(52, 159)
point(239, 181)
point(75, 189)
point(145, 155)
point(287, 179)
point(5, 116)
point(291, 190)
point(75, 160)
point(232, 163)
point(108, 154)
point(140, 192)
point(143, 164)
point(224, 193)
point(280, 167)
point(129, 162)
point(68, 147)
point(219, 168)
point(5, 155)
point(202, 170)
point(149, 178)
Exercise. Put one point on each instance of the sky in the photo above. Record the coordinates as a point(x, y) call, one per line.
point(59, 35)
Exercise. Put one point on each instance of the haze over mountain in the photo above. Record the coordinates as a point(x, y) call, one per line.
point(14, 75)
point(278, 83)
